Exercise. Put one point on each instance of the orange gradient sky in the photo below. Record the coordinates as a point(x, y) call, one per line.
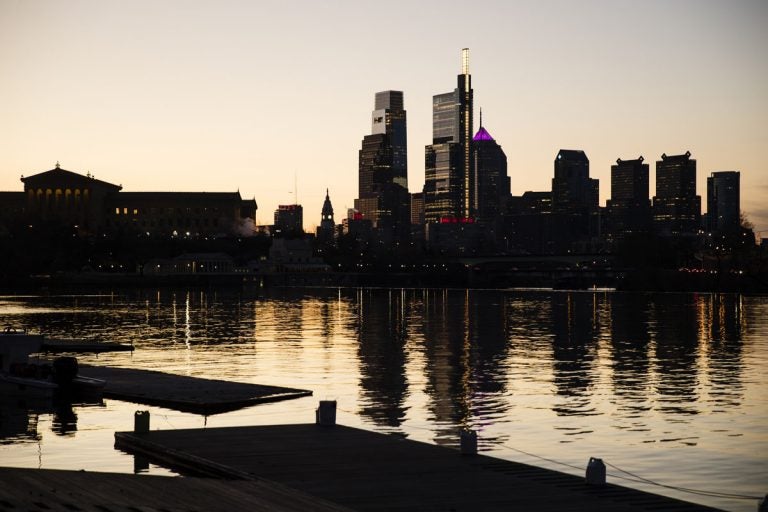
point(227, 95)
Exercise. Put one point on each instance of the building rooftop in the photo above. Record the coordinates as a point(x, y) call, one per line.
point(482, 134)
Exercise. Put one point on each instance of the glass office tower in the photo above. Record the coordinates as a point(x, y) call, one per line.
point(449, 178)
point(383, 167)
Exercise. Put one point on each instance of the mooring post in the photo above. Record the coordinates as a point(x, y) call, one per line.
point(468, 442)
point(762, 506)
point(141, 421)
point(325, 414)
point(595, 471)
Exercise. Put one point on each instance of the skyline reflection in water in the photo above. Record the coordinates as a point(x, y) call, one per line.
point(666, 385)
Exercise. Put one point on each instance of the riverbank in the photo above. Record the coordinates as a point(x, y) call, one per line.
point(441, 276)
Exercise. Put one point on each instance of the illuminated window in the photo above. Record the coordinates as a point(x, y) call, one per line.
point(125, 211)
point(117, 211)
point(135, 211)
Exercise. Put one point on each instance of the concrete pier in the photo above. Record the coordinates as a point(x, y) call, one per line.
point(367, 471)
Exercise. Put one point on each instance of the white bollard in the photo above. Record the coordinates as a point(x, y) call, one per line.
point(468, 442)
point(595, 471)
point(325, 414)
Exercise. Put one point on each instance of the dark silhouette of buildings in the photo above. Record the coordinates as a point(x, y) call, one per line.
point(12, 207)
point(289, 220)
point(723, 201)
point(629, 208)
point(575, 203)
point(492, 184)
point(573, 191)
point(417, 209)
point(189, 214)
point(93, 206)
point(449, 183)
point(383, 169)
point(676, 207)
point(326, 232)
point(531, 203)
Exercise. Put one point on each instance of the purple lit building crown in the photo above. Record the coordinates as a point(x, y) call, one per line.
point(482, 134)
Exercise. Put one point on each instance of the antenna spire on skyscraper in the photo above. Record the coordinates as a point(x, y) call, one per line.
point(465, 61)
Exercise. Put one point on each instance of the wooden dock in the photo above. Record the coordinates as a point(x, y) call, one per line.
point(58, 346)
point(43, 490)
point(367, 471)
point(182, 393)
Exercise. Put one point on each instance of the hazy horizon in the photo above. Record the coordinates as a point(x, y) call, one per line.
point(235, 95)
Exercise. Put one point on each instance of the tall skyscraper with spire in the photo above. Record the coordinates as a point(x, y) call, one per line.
point(491, 182)
point(449, 178)
point(383, 167)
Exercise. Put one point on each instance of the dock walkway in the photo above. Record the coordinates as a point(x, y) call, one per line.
point(57, 346)
point(182, 393)
point(367, 471)
point(44, 490)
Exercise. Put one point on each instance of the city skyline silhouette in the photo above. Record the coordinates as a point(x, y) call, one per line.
point(195, 97)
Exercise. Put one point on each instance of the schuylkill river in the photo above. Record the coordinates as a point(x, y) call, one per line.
point(669, 387)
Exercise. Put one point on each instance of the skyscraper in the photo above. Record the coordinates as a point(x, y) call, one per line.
point(629, 209)
point(383, 167)
point(723, 201)
point(492, 186)
point(676, 207)
point(449, 178)
point(289, 220)
point(573, 191)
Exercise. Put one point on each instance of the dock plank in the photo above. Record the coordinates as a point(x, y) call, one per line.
point(368, 471)
point(40, 490)
point(182, 393)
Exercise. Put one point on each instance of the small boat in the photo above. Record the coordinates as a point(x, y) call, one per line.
point(19, 377)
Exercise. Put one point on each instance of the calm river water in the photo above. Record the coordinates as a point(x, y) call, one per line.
point(671, 387)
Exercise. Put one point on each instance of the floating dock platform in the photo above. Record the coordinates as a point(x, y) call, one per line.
point(368, 471)
point(43, 490)
point(58, 346)
point(182, 393)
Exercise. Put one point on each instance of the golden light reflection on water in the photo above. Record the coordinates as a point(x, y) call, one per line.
point(669, 385)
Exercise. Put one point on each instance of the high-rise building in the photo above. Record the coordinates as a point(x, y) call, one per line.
point(289, 220)
point(492, 185)
point(417, 208)
point(449, 181)
point(389, 119)
point(676, 207)
point(629, 209)
point(383, 167)
point(573, 191)
point(723, 201)
point(575, 218)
